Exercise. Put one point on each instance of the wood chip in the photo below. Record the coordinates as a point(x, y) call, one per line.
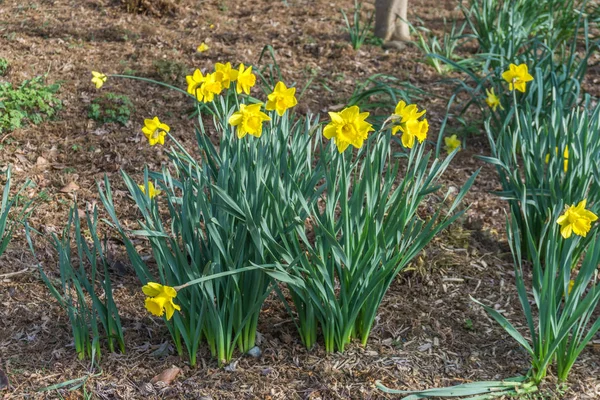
point(70, 188)
point(167, 376)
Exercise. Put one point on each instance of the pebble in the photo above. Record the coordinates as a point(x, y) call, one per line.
point(255, 352)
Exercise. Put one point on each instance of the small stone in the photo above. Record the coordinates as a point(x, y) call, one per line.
point(266, 371)
point(255, 352)
point(231, 367)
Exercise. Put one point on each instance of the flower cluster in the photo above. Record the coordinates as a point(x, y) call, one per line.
point(204, 88)
point(517, 77)
point(407, 120)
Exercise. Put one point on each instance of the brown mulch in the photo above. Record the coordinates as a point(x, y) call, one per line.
point(428, 332)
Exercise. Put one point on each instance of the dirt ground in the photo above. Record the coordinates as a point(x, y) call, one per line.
point(428, 332)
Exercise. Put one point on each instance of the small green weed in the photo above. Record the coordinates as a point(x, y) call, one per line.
point(170, 71)
point(32, 102)
point(4, 66)
point(111, 107)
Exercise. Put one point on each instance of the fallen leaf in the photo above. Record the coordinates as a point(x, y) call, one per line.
point(167, 376)
point(70, 187)
point(3, 380)
point(41, 162)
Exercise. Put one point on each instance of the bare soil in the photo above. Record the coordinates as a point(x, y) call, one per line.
point(428, 332)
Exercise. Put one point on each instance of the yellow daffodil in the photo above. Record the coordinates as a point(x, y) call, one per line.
point(152, 191)
point(155, 131)
point(225, 74)
point(209, 88)
point(452, 143)
point(348, 127)
point(492, 100)
point(565, 158)
point(98, 79)
point(194, 82)
point(249, 120)
point(406, 120)
point(245, 79)
point(160, 299)
point(517, 77)
point(281, 99)
point(576, 219)
point(202, 48)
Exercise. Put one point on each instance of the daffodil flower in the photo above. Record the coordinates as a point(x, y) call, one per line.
point(202, 48)
point(249, 120)
point(517, 77)
point(155, 131)
point(348, 127)
point(160, 299)
point(452, 143)
point(98, 79)
point(152, 191)
point(245, 79)
point(576, 219)
point(281, 99)
point(194, 82)
point(492, 100)
point(224, 74)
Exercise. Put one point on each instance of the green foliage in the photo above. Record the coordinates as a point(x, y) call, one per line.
point(438, 49)
point(111, 107)
point(357, 30)
point(170, 71)
point(504, 27)
point(85, 289)
point(32, 102)
point(8, 224)
point(4, 65)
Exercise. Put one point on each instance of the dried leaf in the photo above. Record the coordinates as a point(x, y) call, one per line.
point(167, 376)
point(70, 188)
point(41, 162)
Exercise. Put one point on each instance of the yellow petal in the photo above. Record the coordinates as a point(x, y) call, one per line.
point(152, 288)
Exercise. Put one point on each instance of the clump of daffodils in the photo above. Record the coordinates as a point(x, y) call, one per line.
point(576, 219)
point(407, 119)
